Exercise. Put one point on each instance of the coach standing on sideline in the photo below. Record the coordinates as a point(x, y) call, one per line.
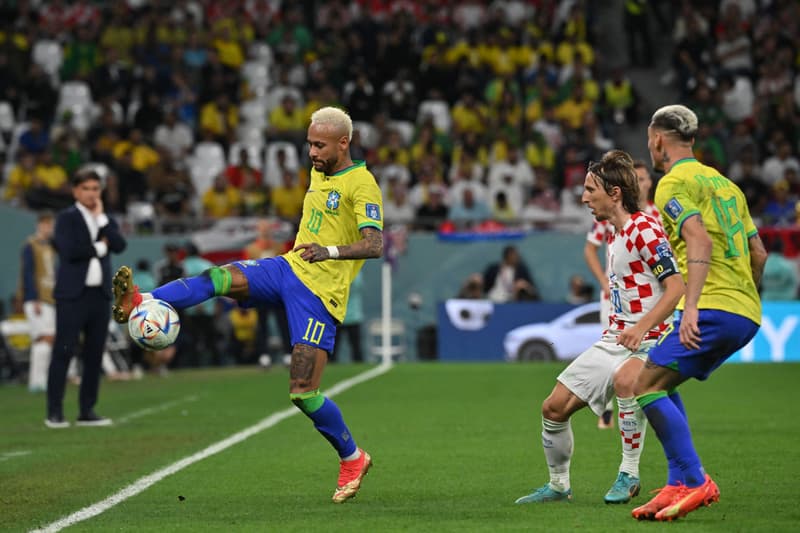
point(84, 238)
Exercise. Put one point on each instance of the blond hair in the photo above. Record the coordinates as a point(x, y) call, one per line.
point(336, 117)
point(677, 119)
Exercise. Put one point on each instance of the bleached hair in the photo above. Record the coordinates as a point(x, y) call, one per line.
point(676, 118)
point(336, 117)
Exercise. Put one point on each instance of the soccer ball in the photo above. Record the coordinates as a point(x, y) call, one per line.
point(154, 324)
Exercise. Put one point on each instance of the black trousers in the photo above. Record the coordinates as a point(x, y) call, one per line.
point(89, 314)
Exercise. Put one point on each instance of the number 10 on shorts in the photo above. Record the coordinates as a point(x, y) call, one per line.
point(314, 331)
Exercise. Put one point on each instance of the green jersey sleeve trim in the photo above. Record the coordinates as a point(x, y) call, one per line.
point(752, 233)
point(684, 218)
point(370, 225)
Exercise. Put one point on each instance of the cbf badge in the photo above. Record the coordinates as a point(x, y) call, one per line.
point(333, 200)
point(373, 211)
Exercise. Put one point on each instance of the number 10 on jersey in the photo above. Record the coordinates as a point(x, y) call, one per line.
point(314, 331)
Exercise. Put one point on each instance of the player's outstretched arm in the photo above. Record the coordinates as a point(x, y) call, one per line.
point(758, 256)
point(370, 246)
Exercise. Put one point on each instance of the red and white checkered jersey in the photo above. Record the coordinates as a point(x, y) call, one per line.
point(639, 256)
point(603, 231)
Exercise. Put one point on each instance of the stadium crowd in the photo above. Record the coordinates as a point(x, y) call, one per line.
point(469, 111)
point(461, 108)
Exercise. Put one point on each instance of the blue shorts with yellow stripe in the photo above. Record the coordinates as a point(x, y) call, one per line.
point(273, 281)
point(721, 335)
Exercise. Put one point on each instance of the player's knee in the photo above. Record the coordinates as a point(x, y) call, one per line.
point(551, 410)
point(308, 402)
point(624, 385)
point(221, 279)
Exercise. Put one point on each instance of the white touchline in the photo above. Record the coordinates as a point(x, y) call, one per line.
point(10, 455)
point(147, 481)
point(150, 410)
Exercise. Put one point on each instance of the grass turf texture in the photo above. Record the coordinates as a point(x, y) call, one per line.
point(454, 445)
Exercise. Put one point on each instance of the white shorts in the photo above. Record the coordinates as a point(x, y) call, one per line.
point(590, 376)
point(42, 324)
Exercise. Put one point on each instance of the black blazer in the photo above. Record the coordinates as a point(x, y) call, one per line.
point(75, 248)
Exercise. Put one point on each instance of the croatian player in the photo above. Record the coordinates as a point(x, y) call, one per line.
point(718, 247)
point(644, 290)
point(601, 232)
point(341, 226)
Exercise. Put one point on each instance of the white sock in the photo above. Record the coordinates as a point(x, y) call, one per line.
point(39, 365)
point(557, 441)
point(632, 426)
point(353, 456)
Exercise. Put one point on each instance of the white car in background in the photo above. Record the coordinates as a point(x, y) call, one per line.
point(561, 339)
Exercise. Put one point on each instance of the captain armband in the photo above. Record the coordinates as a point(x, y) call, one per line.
point(664, 268)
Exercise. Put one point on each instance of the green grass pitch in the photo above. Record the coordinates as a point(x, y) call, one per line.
point(453, 445)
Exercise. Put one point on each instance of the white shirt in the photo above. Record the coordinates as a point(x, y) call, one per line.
point(94, 275)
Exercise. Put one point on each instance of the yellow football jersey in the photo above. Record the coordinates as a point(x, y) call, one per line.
point(691, 188)
point(335, 209)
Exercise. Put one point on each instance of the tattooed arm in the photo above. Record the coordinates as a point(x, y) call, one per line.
point(698, 262)
point(370, 245)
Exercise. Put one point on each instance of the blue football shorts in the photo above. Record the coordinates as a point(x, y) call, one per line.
point(272, 281)
point(721, 335)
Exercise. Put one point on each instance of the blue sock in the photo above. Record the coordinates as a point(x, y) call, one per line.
point(673, 431)
point(678, 401)
point(186, 292)
point(328, 421)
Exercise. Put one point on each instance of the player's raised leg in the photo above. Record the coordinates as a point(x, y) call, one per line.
point(181, 293)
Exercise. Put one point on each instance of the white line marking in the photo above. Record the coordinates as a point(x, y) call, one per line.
point(147, 481)
point(158, 408)
point(11, 455)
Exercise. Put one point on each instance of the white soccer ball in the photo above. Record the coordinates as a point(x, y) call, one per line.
point(154, 324)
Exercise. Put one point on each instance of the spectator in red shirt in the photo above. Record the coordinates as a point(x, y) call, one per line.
point(236, 173)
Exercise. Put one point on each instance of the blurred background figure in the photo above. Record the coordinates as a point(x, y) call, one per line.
point(780, 279)
point(37, 279)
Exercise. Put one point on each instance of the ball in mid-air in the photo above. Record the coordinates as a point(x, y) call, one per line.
point(154, 324)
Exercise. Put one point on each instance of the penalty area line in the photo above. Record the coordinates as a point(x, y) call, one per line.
point(148, 481)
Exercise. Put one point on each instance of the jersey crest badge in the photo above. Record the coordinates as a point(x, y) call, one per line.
point(373, 211)
point(333, 200)
point(673, 208)
point(663, 249)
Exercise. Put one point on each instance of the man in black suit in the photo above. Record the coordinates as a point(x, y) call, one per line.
point(84, 238)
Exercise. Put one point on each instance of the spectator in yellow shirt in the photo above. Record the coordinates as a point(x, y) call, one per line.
point(221, 199)
point(138, 154)
point(20, 179)
point(287, 198)
point(221, 118)
point(229, 50)
point(244, 327)
point(469, 116)
point(287, 122)
point(572, 110)
point(50, 185)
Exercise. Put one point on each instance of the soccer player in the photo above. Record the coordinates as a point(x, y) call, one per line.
point(341, 226)
point(600, 233)
point(718, 248)
point(644, 291)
